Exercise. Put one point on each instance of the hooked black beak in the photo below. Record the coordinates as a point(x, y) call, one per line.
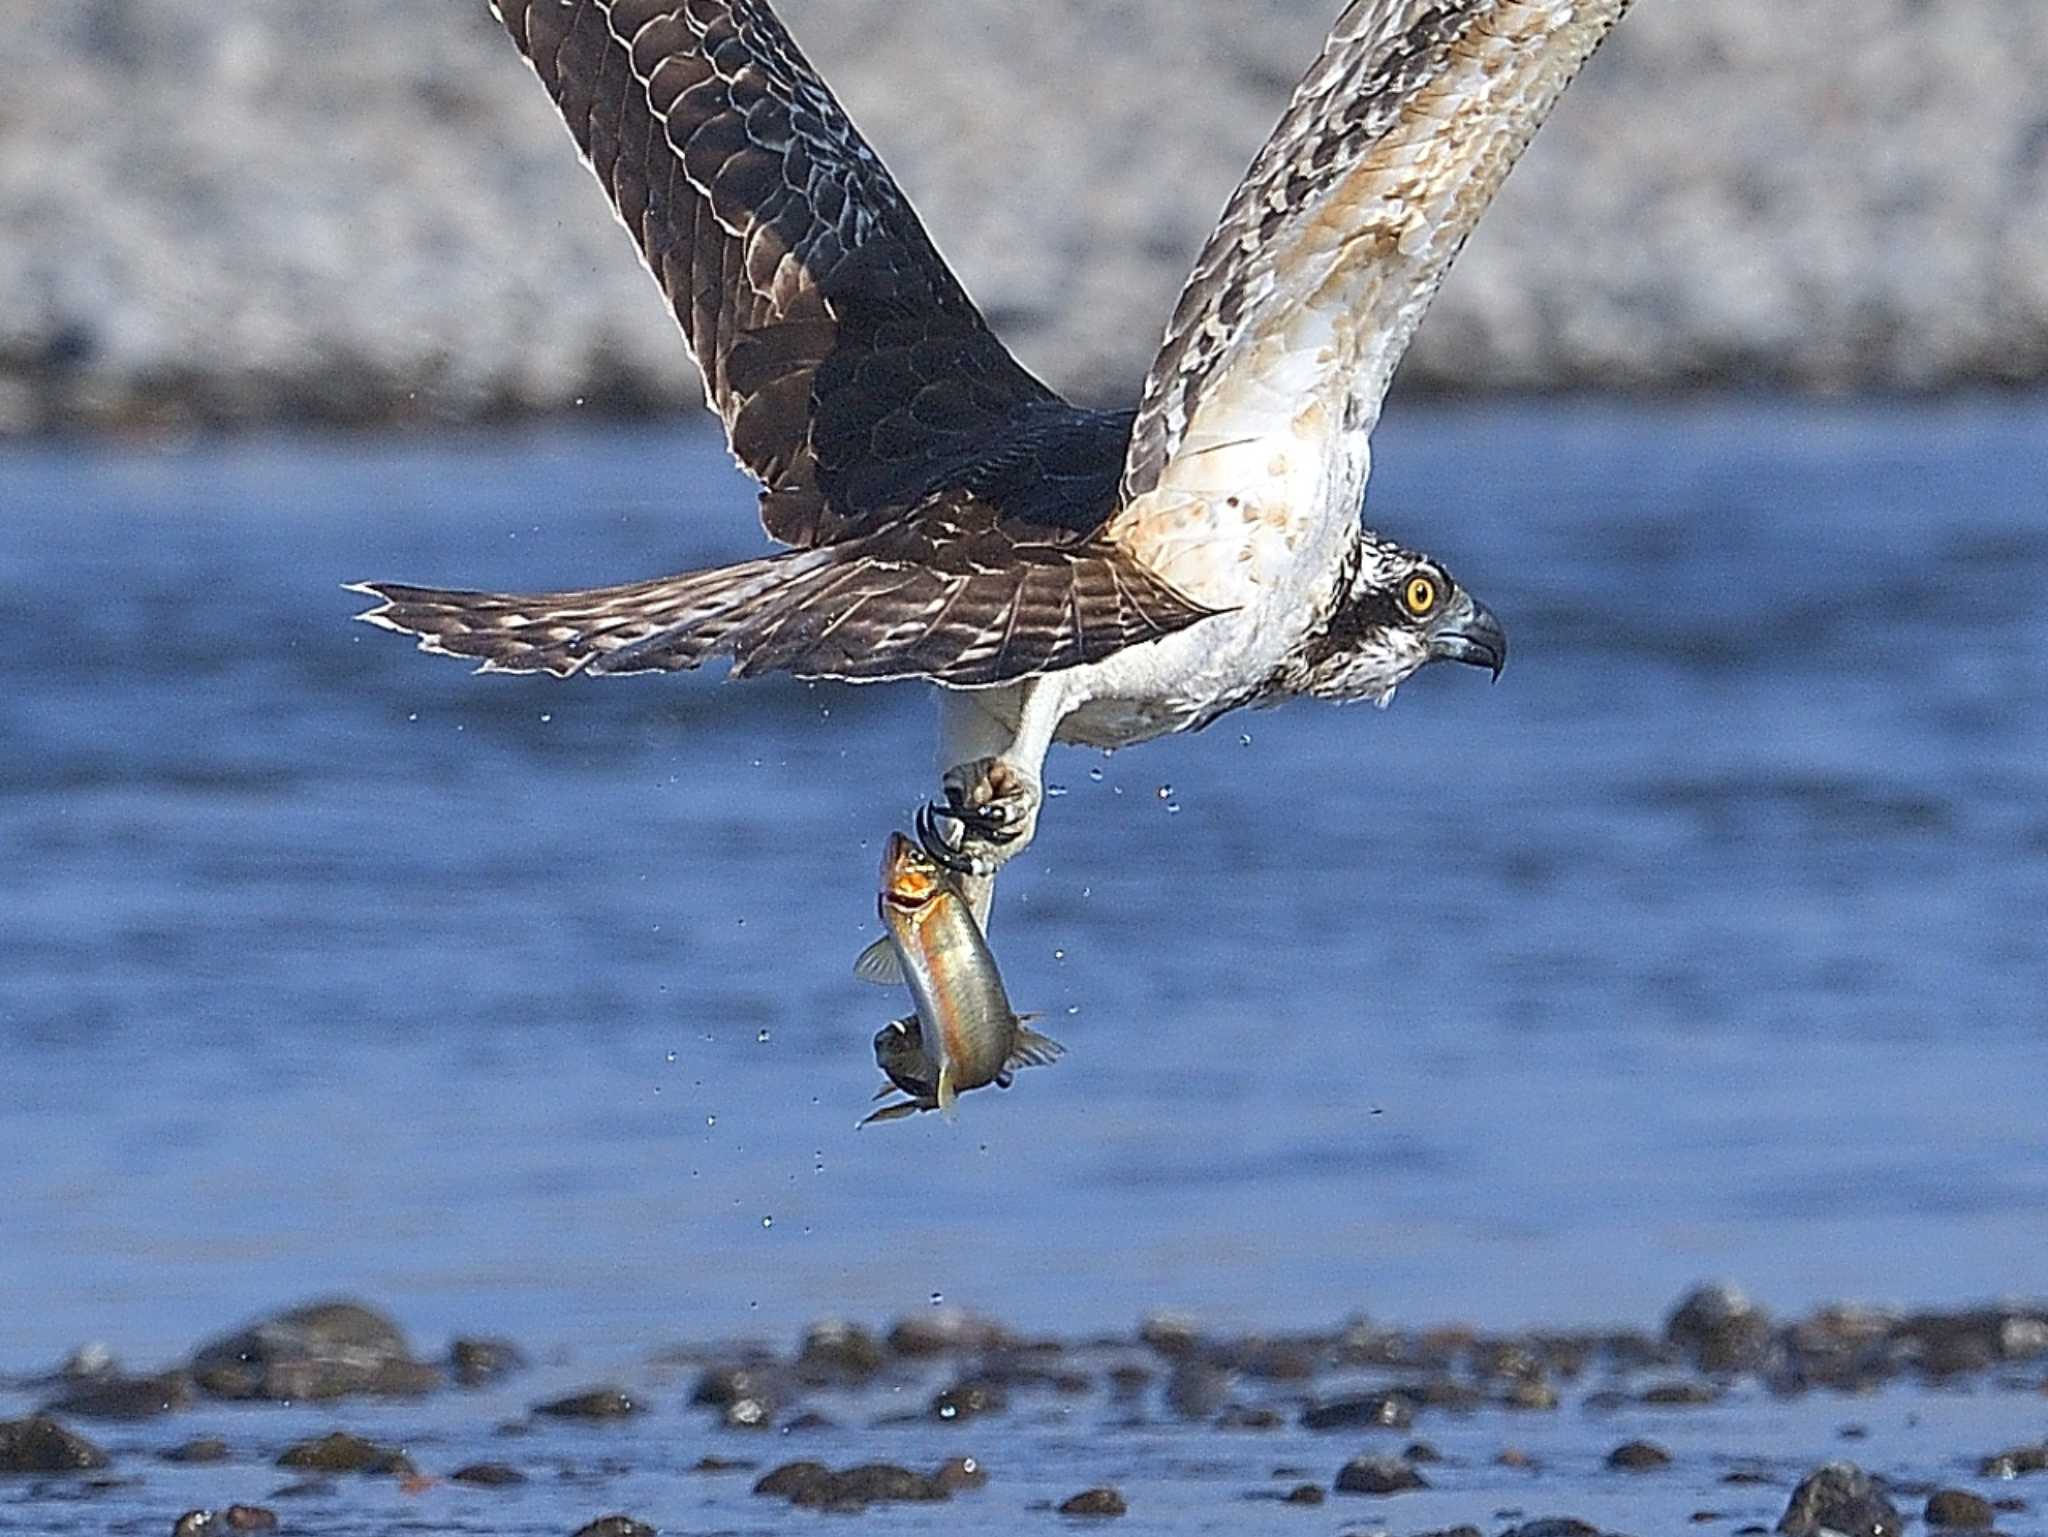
point(1472, 636)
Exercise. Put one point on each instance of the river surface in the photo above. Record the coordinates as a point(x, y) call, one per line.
point(1712, 941)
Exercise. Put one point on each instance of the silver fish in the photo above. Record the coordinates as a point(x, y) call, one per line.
point(964, 1034)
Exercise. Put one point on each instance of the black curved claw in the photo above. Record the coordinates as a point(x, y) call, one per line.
point(936, 844)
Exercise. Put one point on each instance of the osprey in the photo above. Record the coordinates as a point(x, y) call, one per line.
point(1063, 574)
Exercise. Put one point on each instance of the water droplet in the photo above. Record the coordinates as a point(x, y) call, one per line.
point(1096, 775)
point(1173, 808)
point(1054, 792)
point(1059, 955)
point(671, 1056)
point(767, 1222)
point(1164, 792)
point(710, 1120)
point(545, 717)
point(937, 1298)
point(762, 1036)
point(1073, 1008)
point(1244, 739)
point(743, 923)
point(414, 716)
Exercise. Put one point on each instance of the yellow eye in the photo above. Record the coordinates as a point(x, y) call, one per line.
point(1420, 595)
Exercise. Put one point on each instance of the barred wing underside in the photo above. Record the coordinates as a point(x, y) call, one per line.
point(953, 592)
point(1331, 249)
point(844, 358)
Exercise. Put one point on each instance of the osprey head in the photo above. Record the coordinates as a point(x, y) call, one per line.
point(1397, 611)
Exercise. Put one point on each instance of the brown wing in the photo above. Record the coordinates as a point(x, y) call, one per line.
point(1330, 250)
point(845, 360)
point(952, 591)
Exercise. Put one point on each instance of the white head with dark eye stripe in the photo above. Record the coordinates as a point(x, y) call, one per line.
point(1398, 611)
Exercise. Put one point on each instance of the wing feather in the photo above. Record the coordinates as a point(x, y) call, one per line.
point(1330, 250)
point(842, 355)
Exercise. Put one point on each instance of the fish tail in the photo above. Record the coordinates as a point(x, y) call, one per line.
point(1033, 1049)
point(949, 1097)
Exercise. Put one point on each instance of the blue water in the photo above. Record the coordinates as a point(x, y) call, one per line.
point(1709, 942)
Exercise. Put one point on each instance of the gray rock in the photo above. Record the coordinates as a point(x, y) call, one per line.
point(41, 1445)
point(474, 1361)
point(1094, 1502)
point(616, 1526)
point(1840, 1498)
point(325, 1350)
point(488, 1475)
point(218, 1523)
point(1638, 1457)
point(124, 1398)
point(605, 1403)
point(2015, 1462)
point(340, 1452)
point(1958, 1509)
point(1368, 1411)
point(1377, 1475)
point(1720, 1330)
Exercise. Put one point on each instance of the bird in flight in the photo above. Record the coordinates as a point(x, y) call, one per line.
point(1062, 574)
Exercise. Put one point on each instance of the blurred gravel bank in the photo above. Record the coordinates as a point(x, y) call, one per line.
point(366, 210)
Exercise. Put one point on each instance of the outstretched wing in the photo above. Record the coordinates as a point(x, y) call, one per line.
point(845, 360)
point(1329, 252)
point(951, 590)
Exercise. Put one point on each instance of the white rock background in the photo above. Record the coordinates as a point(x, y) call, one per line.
point(365, 210)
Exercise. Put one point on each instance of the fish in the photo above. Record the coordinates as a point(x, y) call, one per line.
point(964, 1034)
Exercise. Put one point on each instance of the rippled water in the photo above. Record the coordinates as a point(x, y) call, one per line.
point(1711, 941)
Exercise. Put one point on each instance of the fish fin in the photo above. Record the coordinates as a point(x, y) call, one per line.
point(885, 1091)
point(891, 1112)
point(949, 1097)
point(878, 964)
point(1033, 1049)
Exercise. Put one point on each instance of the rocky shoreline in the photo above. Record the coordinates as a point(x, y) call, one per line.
point(1366, 1407)
point(217, 216)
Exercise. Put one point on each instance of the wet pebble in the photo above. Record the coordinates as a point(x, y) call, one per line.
point(488, 1475)
point(605, 1403)
point(1094, 1502)
point(125, 1398)
point(39, 1444)
point(1958, 1508)
point(748, 1395)
point(1305, 1494)
point(325, 1350)
point(1554, 1526)
point(1421, 1452)
point(236, 1518)
point(836, 1354)
point(616, 1526)
point(1377, 1475)
point(961, 1473)
point(198, 1449)
point(1679, 1395)
point(968, 1400)
point(1638, 1456)
point(1374, 1411)
point(1720, 1330)
point(944, 1331)
point(2015, 1463)
point(1840, 1498)
point(1530, 1393)
point(814, 1484)
point(340, 1452)
point(474, 1361)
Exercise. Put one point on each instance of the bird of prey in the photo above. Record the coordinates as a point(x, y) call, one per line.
point(1062, 574)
